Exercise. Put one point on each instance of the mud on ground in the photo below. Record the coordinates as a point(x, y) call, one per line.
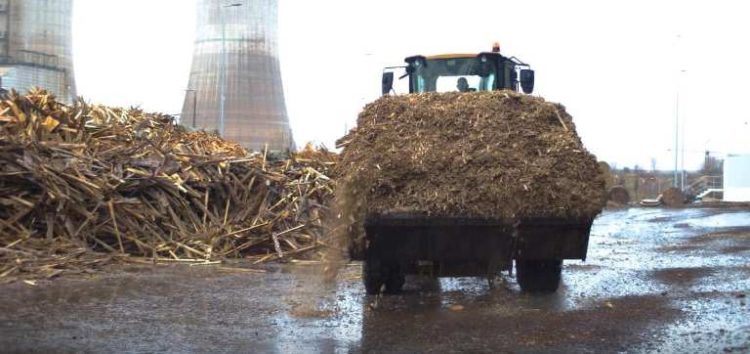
point(647, 286)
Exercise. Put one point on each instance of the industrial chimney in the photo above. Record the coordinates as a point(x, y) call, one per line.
point(36, 46)
point(236, 56)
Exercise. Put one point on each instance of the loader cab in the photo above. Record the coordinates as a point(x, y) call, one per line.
point(452, 72)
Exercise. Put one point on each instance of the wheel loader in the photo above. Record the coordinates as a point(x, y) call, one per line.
point(399, 244)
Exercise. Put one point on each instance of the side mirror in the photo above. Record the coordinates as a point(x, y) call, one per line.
point(527, 81)
point(387, 82)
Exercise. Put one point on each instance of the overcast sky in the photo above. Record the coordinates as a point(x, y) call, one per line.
point(613, 64)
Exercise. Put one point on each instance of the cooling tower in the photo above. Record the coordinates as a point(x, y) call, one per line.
point(36, 46)
point(239, 39)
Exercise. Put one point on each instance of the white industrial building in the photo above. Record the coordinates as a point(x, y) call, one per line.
point(36, 46)
point(737, 178)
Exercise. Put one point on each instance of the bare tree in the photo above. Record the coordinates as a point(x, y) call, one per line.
point(712, 165)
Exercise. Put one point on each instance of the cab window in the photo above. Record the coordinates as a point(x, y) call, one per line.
point(451, 75)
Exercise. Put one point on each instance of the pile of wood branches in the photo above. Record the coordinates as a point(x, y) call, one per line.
point(500, 155)
point(121, 182)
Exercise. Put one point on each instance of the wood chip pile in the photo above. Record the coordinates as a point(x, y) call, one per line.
point(673, 197)
point(498, 154)
point(619, 195)
point(83, 178)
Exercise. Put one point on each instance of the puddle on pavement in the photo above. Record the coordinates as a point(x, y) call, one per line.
point(726, 220)
point(317, 308)
point(713, 322)
point(632, 261)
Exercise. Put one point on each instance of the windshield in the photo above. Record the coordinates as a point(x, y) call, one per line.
point(451, 75)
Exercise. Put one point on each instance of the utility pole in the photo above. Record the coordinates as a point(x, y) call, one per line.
point(679, 180)
point(675, 179)
point(682, 139)
point(195, 103)
point(676, 133)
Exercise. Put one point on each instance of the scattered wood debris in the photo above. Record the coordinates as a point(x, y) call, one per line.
point(84, 185)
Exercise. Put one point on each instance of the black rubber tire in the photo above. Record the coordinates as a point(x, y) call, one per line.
point(539, 276)
point(394, 280)
point(375, 274)
point(372, 276)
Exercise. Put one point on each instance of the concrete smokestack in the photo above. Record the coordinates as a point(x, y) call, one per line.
point(239, 38)
point(36, 46)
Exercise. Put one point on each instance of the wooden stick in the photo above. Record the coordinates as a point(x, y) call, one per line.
point(206, 263)
point(205, 207)
point(247, 270)
point(226, 211)
point(244, 230)
point(561, 120)
point(114, 222)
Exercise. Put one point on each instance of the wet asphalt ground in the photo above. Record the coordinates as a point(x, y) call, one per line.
point(656, 280)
